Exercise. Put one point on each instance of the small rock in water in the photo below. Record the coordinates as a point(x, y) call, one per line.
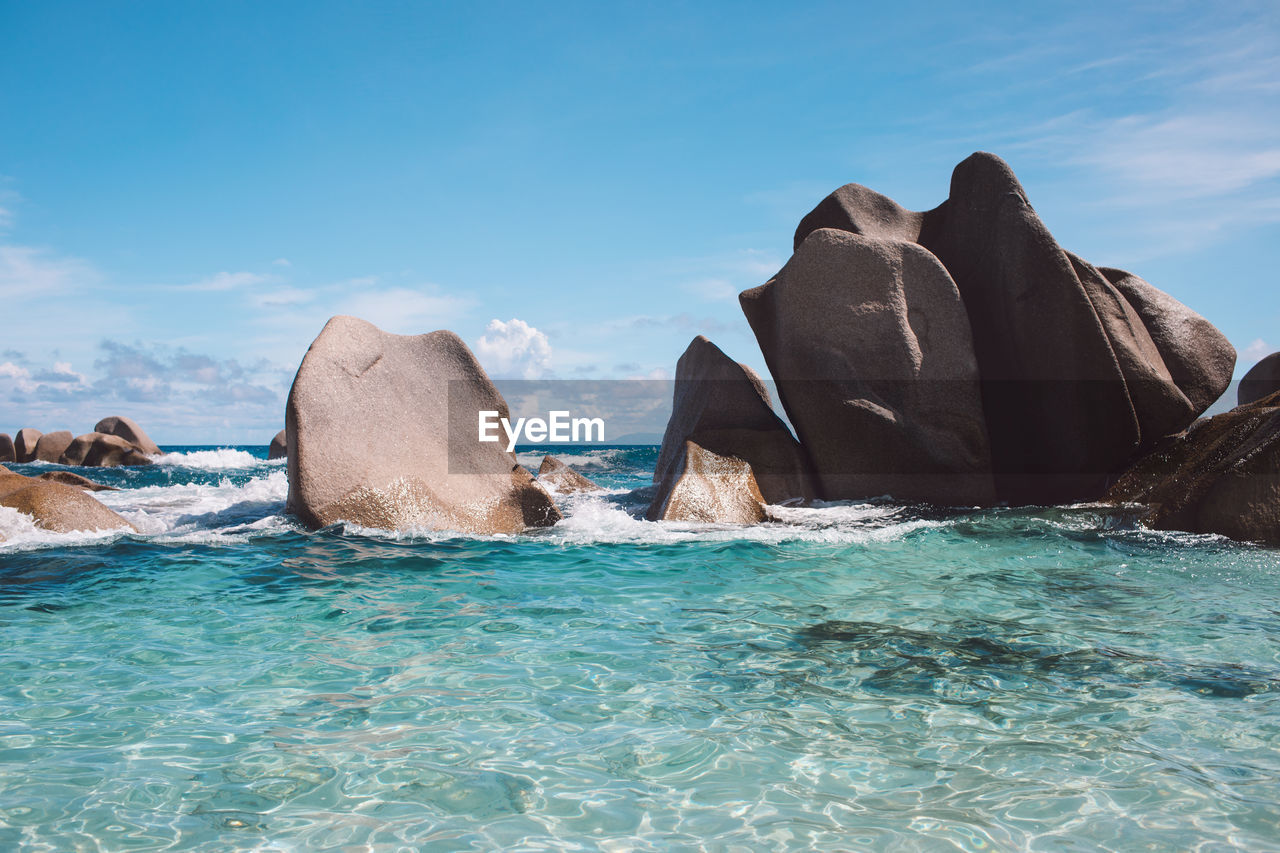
point(565, 479)
point(708, 488)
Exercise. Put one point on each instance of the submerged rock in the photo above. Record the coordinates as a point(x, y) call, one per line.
point(6, 448)
point(24, 444)
point(1221, 476)
point(51, 445)
point(69, 479)
point(128, 429)
point(722, 406)
point(709, 488)
point(382, 431)
point(279, 447)
point(96, 450)
point(565, 480)
point(1262, 380)
point(869, 344)
point(56, 506)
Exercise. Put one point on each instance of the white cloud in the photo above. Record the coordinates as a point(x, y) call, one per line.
point(229, 281)
point(280, 297)
point(514, 348)
point(27, 272)
point(1256, 351)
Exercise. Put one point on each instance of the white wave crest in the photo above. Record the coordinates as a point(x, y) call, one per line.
point(201, 512)
point(19, 532)
point(585, 459)
point(222, 459)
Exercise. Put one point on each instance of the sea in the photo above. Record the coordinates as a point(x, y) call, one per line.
point(850, 676)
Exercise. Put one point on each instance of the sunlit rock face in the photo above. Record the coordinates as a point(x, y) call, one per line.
point(1079, 370)
point(709, 488)
point(381, 431)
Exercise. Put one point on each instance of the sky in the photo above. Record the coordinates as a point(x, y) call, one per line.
point(188, 191)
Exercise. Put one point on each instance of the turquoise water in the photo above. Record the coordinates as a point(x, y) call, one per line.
point(862, 676)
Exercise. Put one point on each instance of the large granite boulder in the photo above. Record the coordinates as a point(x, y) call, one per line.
point(126, 428)
point(1221, 476)
point(7, 453)
point(1262, 380)
point(97, 450)
point(708, 488)
point(51, 445)
point(382, 431)
point(24, 444)
point(724, 407)
point(553, 472)
point(279, 447)
point(869, 344)
point(56, 506)
point(1082, 369)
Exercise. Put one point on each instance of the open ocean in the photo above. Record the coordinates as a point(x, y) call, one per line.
point(856, 676)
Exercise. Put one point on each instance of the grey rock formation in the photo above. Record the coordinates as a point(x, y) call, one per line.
point(98, 450)
point(1262, 380)
point(24, 444)
point(565, 480)
point(51, 445)
point(723, 406)
point(868, 342)
point(382, 431)
point(56, 506)
point(709, 488)
point(128, 429)
point(279, 447)
point(7, 453)
point(1222, 476)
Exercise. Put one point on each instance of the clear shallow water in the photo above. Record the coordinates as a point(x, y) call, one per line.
point(849, 677)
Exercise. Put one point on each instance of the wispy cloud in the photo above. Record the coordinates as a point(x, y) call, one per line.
point(229, 281)
point(28, 273)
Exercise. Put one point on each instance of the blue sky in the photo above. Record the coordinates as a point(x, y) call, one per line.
point(189, 190)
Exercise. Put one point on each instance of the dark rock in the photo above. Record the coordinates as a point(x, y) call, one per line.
point(869, 344)
point(1058, 412)
point(724, 407)
point(1222, 476)
point(1198, 357)
point(97, 450)
point(127, 429)
point(279, 447)
point(565, 480)
point(24, 444)
point(382, 431)
point(56, 506)
point(51, 445)
point(709, 488)
point(1262, 380)
point(67, 478)
point(7, 453)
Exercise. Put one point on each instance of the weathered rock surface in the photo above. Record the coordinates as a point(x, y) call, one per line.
point(98, 450)
point(56, 506)
point(722, 406)
point(709, 488)
point(1222, 476)
point(279, 447)
point(1262, 380)
point(859, 210)
point(129, 430)
point(555, 473)
point(1199, 358)
point(1081, 369)
point(7, 453)
point(24, 444)
point(51, 445)
point(382, 431)
point(69, 479)
point(869, 344)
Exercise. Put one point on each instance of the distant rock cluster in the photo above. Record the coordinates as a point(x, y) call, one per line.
point(114, 441)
